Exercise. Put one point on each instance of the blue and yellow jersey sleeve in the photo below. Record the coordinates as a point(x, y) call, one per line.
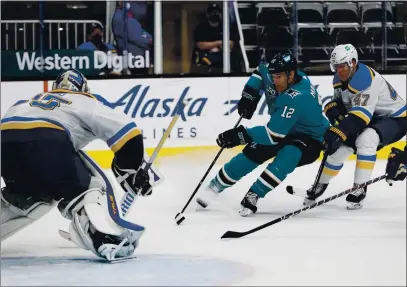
point(364, 97)
point(112, 126)
point(284, 116)
point(120, 138)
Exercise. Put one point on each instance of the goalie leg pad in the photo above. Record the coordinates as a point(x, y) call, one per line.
point(14, 218)
point(93, 229)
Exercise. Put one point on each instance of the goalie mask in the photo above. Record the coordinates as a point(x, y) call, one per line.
point(71, 80)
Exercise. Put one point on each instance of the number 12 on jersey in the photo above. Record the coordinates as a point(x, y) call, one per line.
point(287, 113)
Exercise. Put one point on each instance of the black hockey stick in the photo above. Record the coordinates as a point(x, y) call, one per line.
point(235, 234)
point(179, 218)
point(290, 188)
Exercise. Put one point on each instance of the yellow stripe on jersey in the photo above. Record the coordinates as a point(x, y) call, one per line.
point(361, 115)
point(371, 72)
point(28, 125)
point(337, 84)
point(352, 89)
point(122, 141)
point(72, 92)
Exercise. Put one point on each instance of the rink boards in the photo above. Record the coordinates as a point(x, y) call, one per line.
point(152, 103)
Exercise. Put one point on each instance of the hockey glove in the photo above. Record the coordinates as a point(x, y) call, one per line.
point(247, 104)
point(136, 182)
point(335, 111)
point(334, 138)
point(233, 137)
point(396, 168)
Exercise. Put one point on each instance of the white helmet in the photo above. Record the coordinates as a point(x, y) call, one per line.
point(343, 54)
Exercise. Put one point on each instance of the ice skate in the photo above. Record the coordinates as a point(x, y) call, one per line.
point(249, 204)
point(207, 196)
point(312, 196)
point(355, 199)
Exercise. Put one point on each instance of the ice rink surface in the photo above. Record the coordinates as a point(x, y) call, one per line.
point(328, 245)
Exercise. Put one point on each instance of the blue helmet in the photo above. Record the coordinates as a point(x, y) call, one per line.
point(72, 80)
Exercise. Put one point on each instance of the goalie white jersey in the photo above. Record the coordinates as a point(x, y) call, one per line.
point(369, 95)
point(81, 115)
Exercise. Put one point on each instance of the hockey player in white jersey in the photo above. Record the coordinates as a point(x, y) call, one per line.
point(43, 166)
point(366, 113)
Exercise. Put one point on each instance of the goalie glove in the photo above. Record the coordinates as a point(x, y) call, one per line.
point(134, 181)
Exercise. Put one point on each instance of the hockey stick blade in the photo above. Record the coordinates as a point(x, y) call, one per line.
point(233, 234)
point(296, 191)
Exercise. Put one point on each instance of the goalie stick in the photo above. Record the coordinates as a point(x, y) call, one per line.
point(236, 234)
point(128, 199)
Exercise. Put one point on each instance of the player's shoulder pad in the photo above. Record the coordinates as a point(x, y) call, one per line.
point(336, 82)
point(362, 79)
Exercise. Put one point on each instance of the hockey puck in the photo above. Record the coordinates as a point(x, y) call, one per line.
point(290, 189)
point(179, 218)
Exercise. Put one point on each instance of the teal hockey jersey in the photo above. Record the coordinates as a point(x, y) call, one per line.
point(296, 111)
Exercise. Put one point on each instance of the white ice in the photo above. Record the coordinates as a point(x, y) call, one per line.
point(328, 245)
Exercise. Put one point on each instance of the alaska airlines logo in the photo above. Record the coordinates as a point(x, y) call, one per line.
point(135, 103)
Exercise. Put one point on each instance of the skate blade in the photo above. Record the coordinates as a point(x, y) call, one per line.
point(308, 201)
point(245, 212)
point(120, 260)
point(354, 206)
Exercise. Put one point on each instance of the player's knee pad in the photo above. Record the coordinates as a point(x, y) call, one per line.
point(340, 155)
point(92, 228)
point(286, 161)
point(17, 213)
point(367, 142)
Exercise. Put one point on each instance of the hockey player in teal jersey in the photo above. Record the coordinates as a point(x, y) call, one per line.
point(293, 136)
